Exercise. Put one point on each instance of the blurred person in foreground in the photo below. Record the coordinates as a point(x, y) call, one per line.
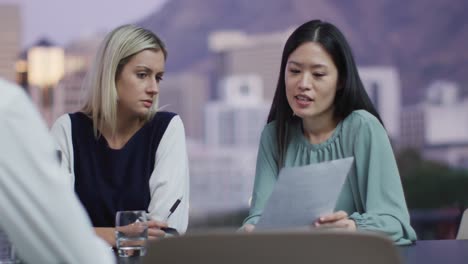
point(42, 218)
point(321, 112)
point(119, 151)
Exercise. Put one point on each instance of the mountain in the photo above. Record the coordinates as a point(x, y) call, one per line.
point(425, 40)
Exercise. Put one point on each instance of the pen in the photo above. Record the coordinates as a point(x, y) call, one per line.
point(170, 230)
point(173, 208)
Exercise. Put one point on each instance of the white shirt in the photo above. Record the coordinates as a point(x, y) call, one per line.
point(169, 180)
point(42, 218)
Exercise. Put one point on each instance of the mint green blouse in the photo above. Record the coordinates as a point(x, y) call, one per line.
point(372, 194)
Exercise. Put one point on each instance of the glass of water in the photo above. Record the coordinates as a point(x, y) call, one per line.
point(131, 233)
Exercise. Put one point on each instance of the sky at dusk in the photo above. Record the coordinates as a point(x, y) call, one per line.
point(64, 20)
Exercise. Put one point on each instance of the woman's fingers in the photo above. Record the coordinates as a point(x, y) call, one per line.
point(347, 224)
point(248, 228)
point(156, 224)
point(154, 229)
point(330, 218)
point(155, 233)
point(336, 220)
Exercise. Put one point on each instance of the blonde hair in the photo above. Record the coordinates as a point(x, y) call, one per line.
point(114, 53)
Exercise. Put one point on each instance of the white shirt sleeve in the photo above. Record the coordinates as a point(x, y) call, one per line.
point(61, 132)
point(170, 178)
point(39, 213)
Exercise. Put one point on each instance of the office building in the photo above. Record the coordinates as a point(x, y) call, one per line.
point(238, 53)
point(10, 32)
point(221, 178)
point(46, 66)
point(383, 87)
point(438, 126)
point(69, 93)
point(237, 119)
point(186, 94)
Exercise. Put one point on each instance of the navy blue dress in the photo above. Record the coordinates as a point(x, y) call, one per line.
point(109, 180)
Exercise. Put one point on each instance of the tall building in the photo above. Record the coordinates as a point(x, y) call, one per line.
point(221, 178)
point(446, 115)
point(447, 125)
point(438, 127)
point(10, 31)
point(240, 54)
point(46, 66)
point(80, 53)
point(222, 168)
point(69, 92)
point(186, 94)
point(413, 126)
point(239, 117)
point(383, 87)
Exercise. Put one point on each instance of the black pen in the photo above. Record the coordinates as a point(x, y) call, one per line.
point(174, 207)
point(170, 230)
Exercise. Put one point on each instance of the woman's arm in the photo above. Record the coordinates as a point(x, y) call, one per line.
point(170, 178)
point(61, 132)
point(107, 234)
point(378, 183)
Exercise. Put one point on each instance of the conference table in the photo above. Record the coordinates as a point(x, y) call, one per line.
point(422, 252)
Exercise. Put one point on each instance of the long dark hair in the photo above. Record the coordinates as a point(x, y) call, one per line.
point(350, 94)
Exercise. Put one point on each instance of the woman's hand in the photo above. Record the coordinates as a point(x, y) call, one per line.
point(247, 228)
point(336, 220)
point(107, 234)
point(154, 229)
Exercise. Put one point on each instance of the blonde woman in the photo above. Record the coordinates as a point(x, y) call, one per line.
point(120, 152)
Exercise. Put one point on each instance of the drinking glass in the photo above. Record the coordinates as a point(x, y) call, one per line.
point(131, 233)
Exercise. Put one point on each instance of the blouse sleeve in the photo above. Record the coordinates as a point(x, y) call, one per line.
point(61, 132)
point(266, 174)
point(170, 178)
point(379, 184)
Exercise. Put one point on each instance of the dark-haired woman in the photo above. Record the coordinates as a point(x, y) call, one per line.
point(321, 112)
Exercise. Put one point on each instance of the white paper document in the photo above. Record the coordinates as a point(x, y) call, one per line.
point(302, 194)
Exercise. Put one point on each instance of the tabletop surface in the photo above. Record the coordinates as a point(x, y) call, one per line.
point(422, 252)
